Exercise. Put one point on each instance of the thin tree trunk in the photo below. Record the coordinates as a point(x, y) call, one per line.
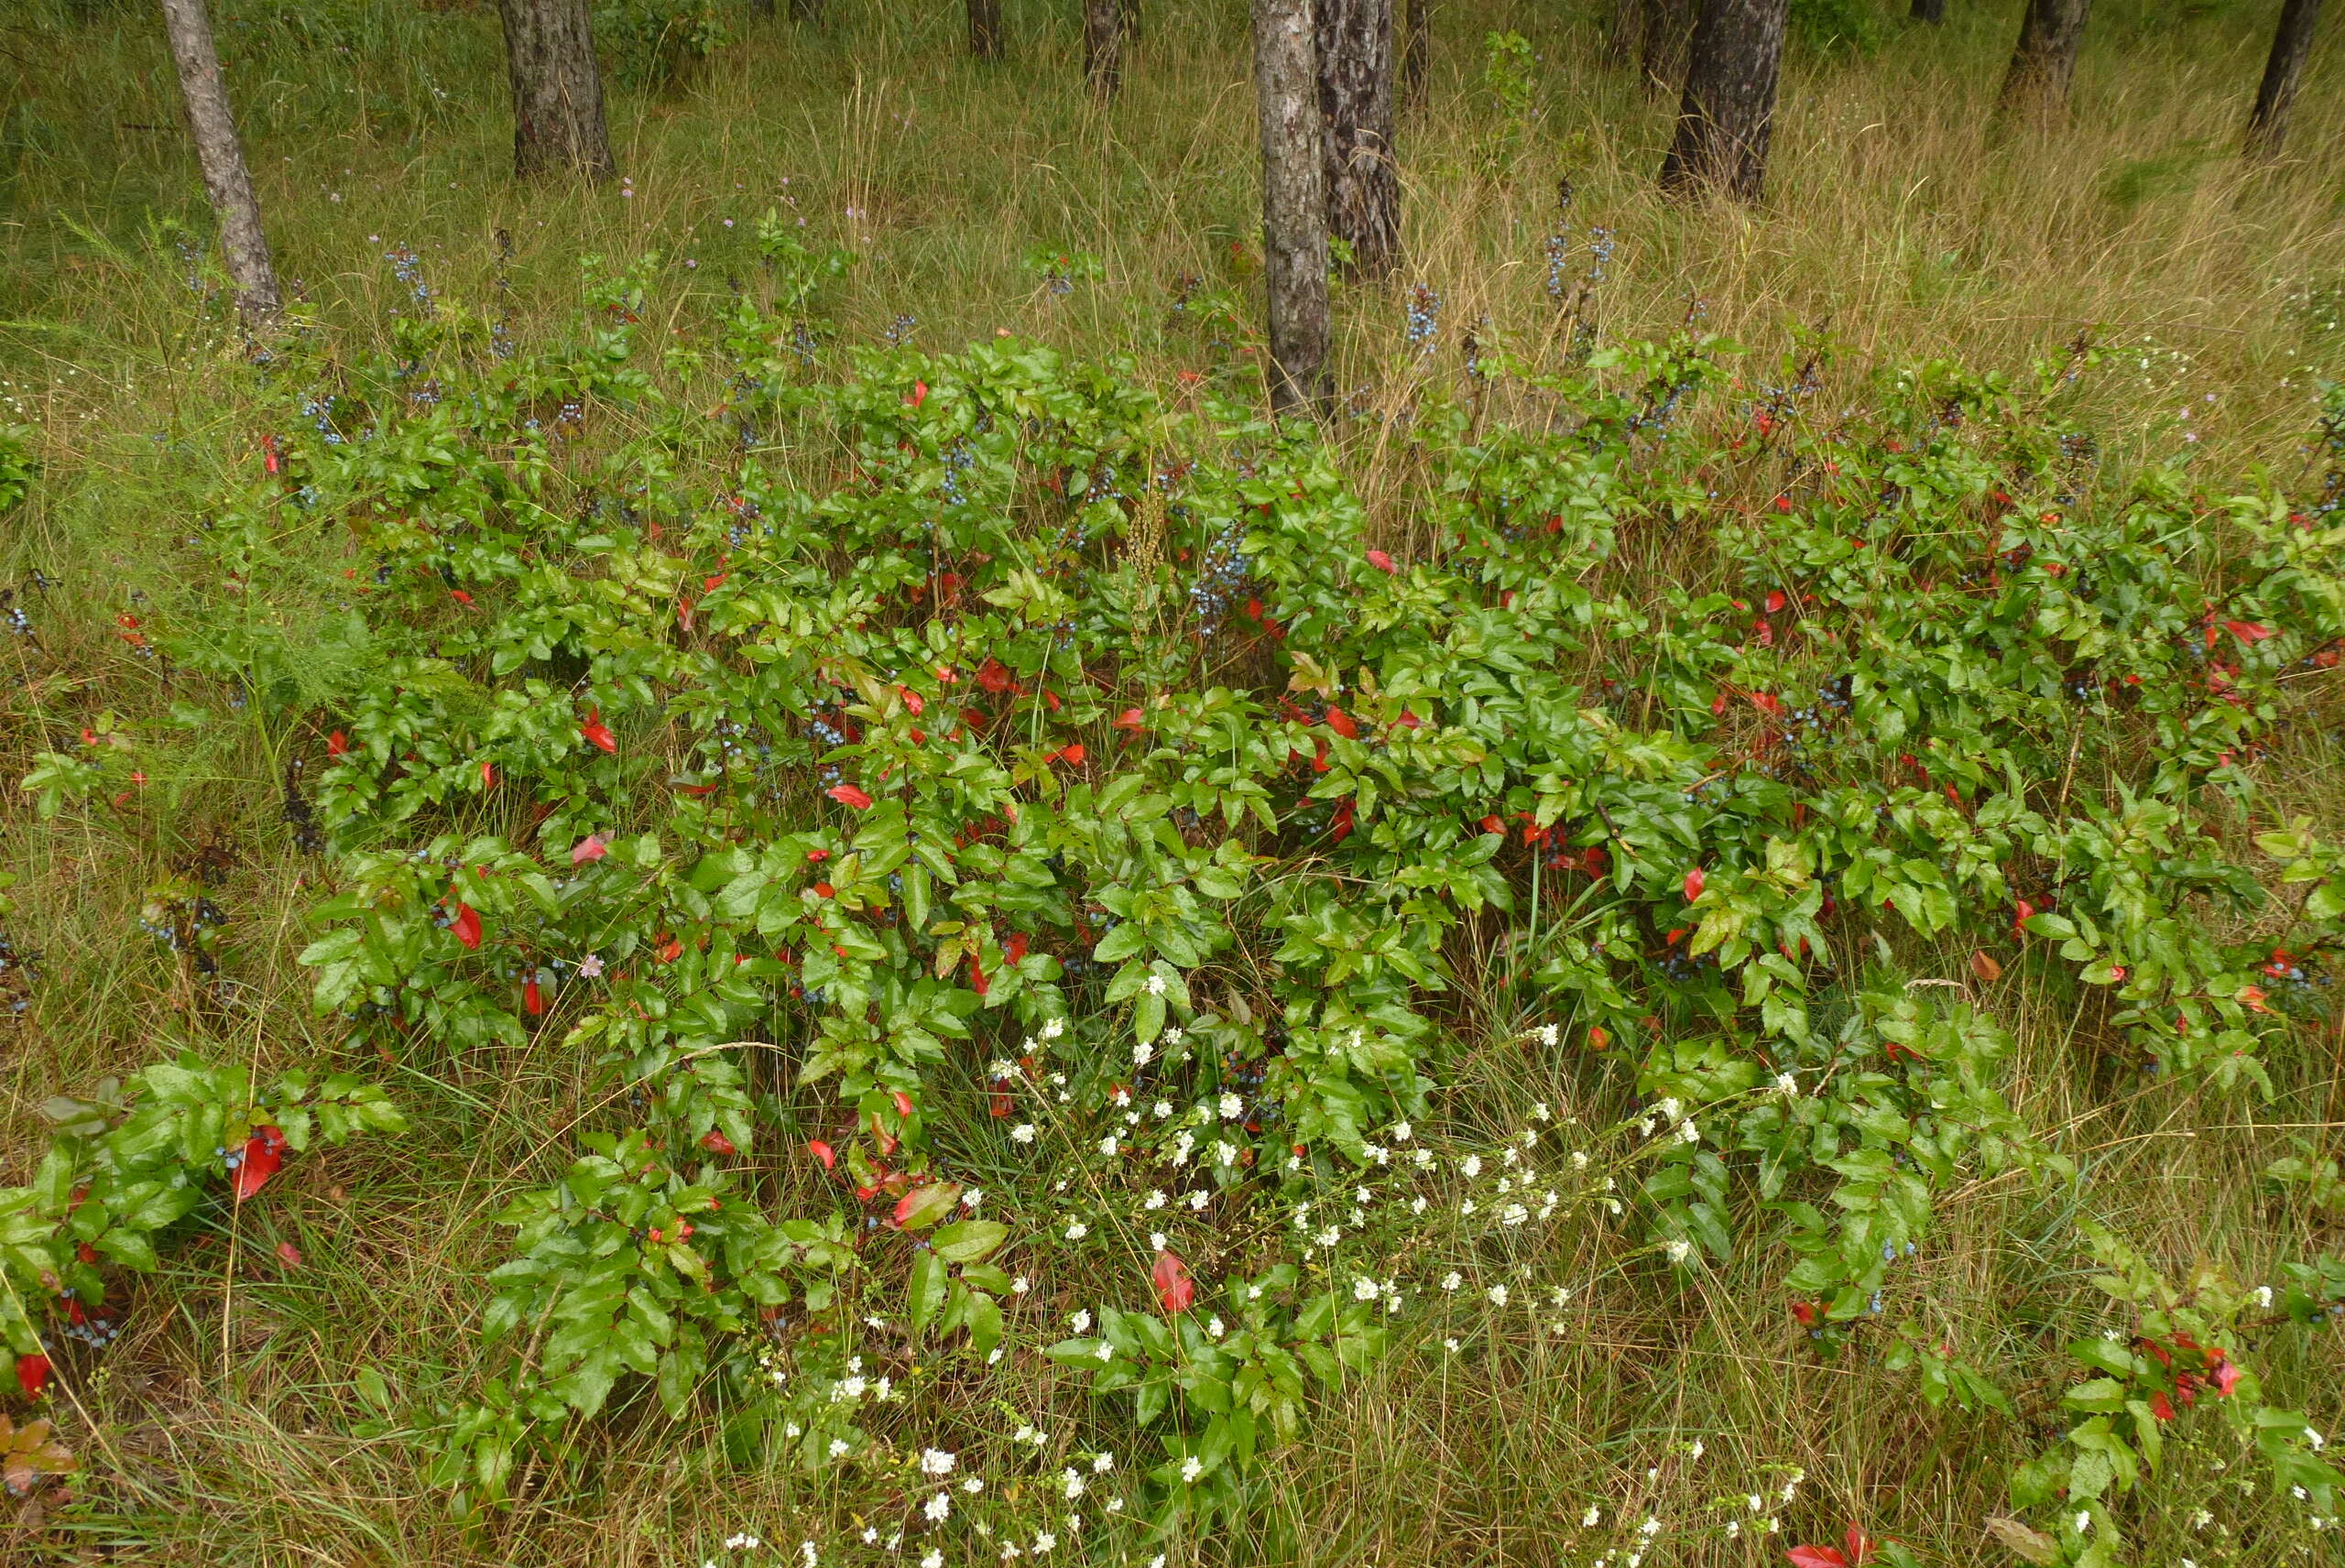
point(1294, 203)
point(1728, 109)
point(1355, 101)
point(1415, 50)
point(225, 179)
point(1667, 41)
point(985, 29)
point(2268, 125)
point(1930, 11)
point(1103, 47)
point(2045, 60)
point(1624, 41)
point(557, 89)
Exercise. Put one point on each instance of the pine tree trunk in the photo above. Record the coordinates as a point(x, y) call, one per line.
point(2045, 60)
point(985, 29)
point(1624, 41)
point(1729, 110)
point(2267, 125)
point(557, 89)
point(1415, 50)
point(225, 179)
point(1667, 42)
point(1930, 11)
point(1294, 203)
point(1356, 101)
point(1103, 47)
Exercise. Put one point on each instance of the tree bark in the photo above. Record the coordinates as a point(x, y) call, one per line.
point(1294, 203)
point(1727, 113)
point(557, 89)
point(985, 29)
point(1415, 50)
point(1356, 103)
point(229, 183)
point(1930, 11)
point(1667, 42)
point(2268, 125)
point(2045, 60)
point(1103, 47)
point(1624, 41)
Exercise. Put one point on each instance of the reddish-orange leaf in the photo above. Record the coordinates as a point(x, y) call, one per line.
point(264, 1156)
point(848, 795)
point(598, 733)
point(1174, 1288)
point(337, 744)
point(466, 925)
point(289, 1255)
point(1693, 882)
point(32, 1374)
point(716, 1142)
point(823, 1153)
point(1342, 723)
point(1983, 966)
point(593, 846)
point(1817, 1557)
point(913, 700)
point(1381, 561)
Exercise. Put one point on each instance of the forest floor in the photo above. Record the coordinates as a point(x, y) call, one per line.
point(990, 203)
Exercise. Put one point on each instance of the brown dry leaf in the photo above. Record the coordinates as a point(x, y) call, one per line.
point(29, 1451)
point(2024, 1542)
point(1983, 965)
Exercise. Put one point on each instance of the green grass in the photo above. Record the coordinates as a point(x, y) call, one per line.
point(225, 1425)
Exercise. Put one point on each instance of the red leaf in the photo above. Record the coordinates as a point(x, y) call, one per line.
point(920, 394)
point(994, 676)
point(337, 744)
point(2223, 1375)
point(1767, 704)
point(822, 1152)
point(466, 925)
point(593, 846)
point(1129, 719)
point(1015, 948)
point(1860, 1545)
point(460, 596)
point(2023, 912)
point(903, 1104)
point(1383, 563)
point(1174, 1288)
point(2247, 631)
point(2161, 1407)
point(264, 1156)
point(532, 999)
point(1342, 723)
point(848, 795)
point(488, 776)
point(977, 976)
point(32, 1374)
point(289, 1255)
point(716, 1142)
point(1694, 881)
point(913, 700)
point(1817, 1557)
point(1491, 824)
point(1775, 600)
point(598, 732)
